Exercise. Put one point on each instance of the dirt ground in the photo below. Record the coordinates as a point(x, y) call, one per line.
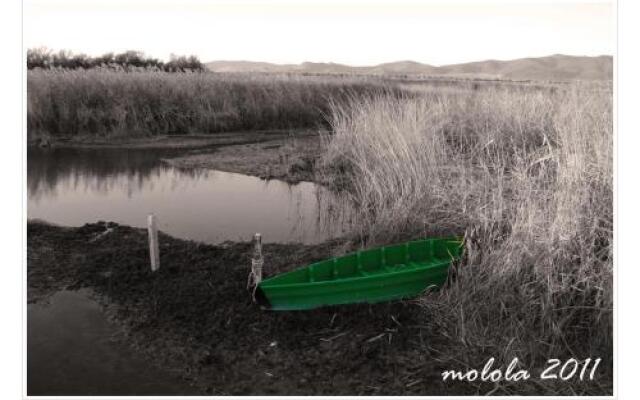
point(291, 159)
point(289, 156)
point(195, 317)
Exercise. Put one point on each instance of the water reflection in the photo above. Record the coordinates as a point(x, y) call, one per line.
point(75, 186)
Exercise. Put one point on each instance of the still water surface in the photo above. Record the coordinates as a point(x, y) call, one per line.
point(71, 351)
point(76, 186)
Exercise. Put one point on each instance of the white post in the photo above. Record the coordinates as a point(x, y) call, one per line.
point(154, 250)
point(257, 261)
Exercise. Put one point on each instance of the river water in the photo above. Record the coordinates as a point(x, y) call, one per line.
point(75, 186)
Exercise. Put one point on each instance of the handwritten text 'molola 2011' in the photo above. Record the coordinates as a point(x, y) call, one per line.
point(488, 373)
point(555, 369)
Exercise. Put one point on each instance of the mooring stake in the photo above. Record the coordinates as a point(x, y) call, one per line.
point(154, 250)
point(255, 277)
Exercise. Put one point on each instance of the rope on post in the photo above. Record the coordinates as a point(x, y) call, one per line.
point(154, 250)
point(255, 276)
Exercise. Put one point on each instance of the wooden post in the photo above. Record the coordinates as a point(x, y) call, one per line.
point(255, 276)
point(257, 261)
point(154, 250)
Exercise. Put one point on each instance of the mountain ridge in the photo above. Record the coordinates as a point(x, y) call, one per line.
point(557, 67)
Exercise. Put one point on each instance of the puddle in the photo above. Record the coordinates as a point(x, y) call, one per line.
point(71, 351)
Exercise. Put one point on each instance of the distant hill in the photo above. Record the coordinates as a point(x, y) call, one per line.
point(552, 68)
point(247, 66)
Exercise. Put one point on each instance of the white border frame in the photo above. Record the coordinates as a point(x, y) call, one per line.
point(626, 117)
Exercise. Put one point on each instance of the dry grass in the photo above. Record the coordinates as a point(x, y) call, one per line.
point(528, 177)
point(107, 103)
point(525, 174)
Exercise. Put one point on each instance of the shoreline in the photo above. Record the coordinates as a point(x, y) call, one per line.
point(177, 141)
point(195, 316)
point(289, 159)
point(284, 155)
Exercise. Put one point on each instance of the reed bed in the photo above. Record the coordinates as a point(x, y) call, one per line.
point(107, 103)
point(527, 177)
point(524, 173)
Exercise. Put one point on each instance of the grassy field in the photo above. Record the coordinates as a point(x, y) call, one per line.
point(527, 176)
point(106, 103)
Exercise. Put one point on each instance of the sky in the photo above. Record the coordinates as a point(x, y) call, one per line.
point(354, 32)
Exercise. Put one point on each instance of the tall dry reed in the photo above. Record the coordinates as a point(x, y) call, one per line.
point(107, 103)
point(527, 176)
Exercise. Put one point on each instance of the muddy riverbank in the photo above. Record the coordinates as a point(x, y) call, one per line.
point(195, 317)
point(291, 159)
point(285, 155)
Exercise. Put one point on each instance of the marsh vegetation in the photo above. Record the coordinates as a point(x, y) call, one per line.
point(105, 103)
point(527, 177)
point(525, 172)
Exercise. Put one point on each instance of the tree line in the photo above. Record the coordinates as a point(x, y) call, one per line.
point(46, 59)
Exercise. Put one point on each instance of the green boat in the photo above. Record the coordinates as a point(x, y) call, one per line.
point(368, 276)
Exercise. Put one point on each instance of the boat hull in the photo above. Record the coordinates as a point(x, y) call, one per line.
point(371, 276)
